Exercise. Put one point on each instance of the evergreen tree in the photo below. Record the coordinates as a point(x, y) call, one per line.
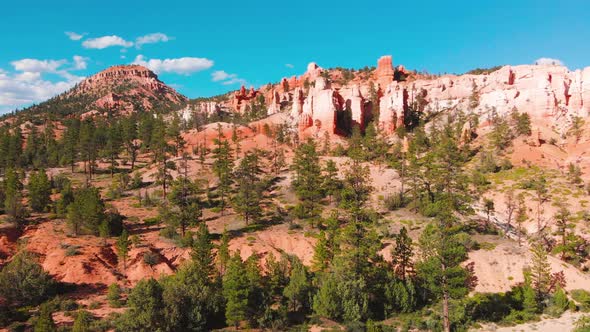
point(202, 253)
point(113, 146)
point(146, 308)
point(540, 270)
point(222, 167)
point(307, 181)
point(440, 268)
point(236, 291)
point(356, 190)
point(186, 205)
point(223, 255)
point(82, 322)
point(69, 143)
point(130, 138)
point(45, 321)
point(23, 281)
point(331, 184)
point(327, 301)
point(248, 197)
point(39, 189)
point(577, 128)
point(402, 254)
point(123, 247)
point(86, 212)
point(298, 290)
point(160, 151)
point(114, 295)
point(13, 205)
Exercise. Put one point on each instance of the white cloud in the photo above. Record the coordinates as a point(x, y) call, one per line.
point(221, 75)
point(74, 36)
point(37, 66)
point(27, 76)
point(80, 62)
point(235, 80)
point(26, 85)
point(106, 41)
point(24, 89)
point(548, 61)
point(226, 79)
point(288, 65)
point(185, 65)
point(151, 38)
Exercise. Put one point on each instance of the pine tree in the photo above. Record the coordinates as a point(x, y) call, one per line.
point(160, 149)
point(223, 255)
point(13, 205)
point(577, 128)
point(146, 308)
point(130, 138)
point(39, 189)
point(114, 295)
point(113, 146)
point(82, 322)
point(69, 143)
point(185, 201)
point(356, 190)
point(540, 270)
point(402, 254)
point(488, 206)
point(201, 254)
point(308, 180)
point(440, 268)
point(174, 132)
point(299, 287)
point(86, 212)
point(247, 199)
point(123, 247)
point(331, 184)
point(327, 301)
point(521, 217)
point(222, 167)
point(236, 291)
point(45, 321)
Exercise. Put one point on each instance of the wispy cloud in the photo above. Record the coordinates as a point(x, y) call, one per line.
point(288, 65)
point(151, 38)
point(184, 66)
point(106, 41)
point(548, 61)
point(226, 79)
point(38, 66)
point(26, 85)
point(80, 62)
point(74, 35)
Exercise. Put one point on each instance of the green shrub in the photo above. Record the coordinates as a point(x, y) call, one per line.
point(582, 298)
point(150, 258)
point(114, 295)
point(394, 202)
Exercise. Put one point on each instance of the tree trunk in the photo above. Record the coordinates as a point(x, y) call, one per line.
point(445, 301)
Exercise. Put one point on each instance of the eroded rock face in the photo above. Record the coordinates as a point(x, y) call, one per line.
point(544, 92)
point(123, 88)
point(384, 73)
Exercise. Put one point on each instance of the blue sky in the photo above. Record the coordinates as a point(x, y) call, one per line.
point(204, 48)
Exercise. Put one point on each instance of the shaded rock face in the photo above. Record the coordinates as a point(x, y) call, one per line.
point(125, 89)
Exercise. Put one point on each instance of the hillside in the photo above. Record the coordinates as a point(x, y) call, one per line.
point(118, 90)
point(371, 199)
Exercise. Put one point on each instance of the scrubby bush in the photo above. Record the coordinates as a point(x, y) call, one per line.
point(24, 282)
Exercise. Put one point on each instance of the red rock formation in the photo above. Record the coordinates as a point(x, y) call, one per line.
point(384, 73)
point(122, 88)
